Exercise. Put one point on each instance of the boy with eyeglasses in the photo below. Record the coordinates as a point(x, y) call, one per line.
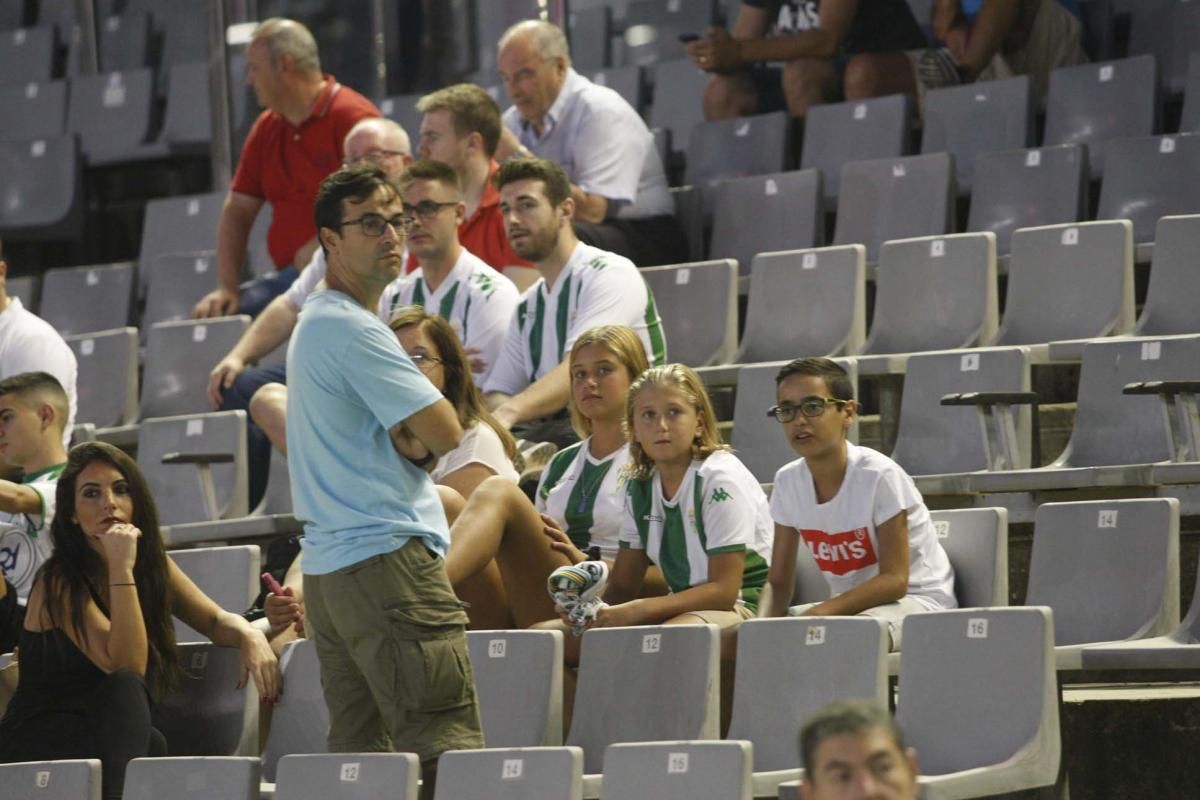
point(858, 512)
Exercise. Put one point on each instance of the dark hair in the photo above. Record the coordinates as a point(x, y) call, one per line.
point(556, 186)
point(836, 378)
point(70, 572)
point(429, 170)
point(473, 110)
point(42, 384)
point(460, 389)
point(352, 183)
point(842, 717)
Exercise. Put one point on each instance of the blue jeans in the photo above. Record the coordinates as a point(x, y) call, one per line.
point(258, 446)
point(255, 294)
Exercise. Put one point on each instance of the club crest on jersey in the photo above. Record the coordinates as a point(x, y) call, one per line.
point(843, 552)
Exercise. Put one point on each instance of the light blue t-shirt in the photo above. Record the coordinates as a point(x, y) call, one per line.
point(349, 382)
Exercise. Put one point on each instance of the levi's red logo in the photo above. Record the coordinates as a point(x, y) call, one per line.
point(840, 553)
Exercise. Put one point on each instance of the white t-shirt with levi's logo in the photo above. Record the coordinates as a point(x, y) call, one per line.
point(841, 533)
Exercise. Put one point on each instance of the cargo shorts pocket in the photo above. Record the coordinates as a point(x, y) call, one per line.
point(433, 668)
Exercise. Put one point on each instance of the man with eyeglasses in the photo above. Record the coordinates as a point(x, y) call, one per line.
point(858, 512)
point(232, 384)
point(366, 427)
point(291, 148)
point(452, 282)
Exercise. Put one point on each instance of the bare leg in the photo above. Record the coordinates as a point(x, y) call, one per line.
point(729, 96)
point(878, 74)
point(728, 656)
point(268, 408)
point(808, 82)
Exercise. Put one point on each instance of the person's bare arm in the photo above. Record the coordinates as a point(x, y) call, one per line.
point(269, 330)
point(722, 52)
point(233, 231)
point(545, 396)
point(434, 429)
point(18, 499)
point(589, 207)
point(943, 16)
point(992, 26)
point(718, 593)
point(781, 579)
point(888, 586)
point(304, 255)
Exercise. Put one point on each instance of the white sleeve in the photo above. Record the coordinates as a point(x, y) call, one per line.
point(509, 374)
point(784, 505)
point(894, 492)
point(616, 295)
point(480, 445)
point(488, 320)
point(307, 282)
point(729, 515)
point(629, 532)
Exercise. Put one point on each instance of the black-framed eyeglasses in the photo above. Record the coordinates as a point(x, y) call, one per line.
point(812, 406)
point(424, 210)
point(424, 361)
point(373, 224)
point(375, 157)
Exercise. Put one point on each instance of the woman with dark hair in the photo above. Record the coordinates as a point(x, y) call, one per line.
point(98, 642)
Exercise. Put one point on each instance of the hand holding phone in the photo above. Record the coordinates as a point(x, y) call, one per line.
point(272, 584)
point(688, 38)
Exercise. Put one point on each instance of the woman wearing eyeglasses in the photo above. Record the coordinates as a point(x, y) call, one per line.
point(858, 512)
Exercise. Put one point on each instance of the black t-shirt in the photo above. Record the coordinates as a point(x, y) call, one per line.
point(878, 25)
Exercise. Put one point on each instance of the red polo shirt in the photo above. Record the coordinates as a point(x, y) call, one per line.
point(284, 164)
point(483, 232)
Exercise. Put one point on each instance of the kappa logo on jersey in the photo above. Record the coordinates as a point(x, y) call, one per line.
point(841, 553)
point(719, 495)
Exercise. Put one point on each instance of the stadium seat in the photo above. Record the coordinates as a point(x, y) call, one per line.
point(192, 490)
point(625, 81)
point(12, 14)
point(766, 213)
point(1174, 279)
point(1027, 188)
point(976, 541)
point(180, 224)
point(1108, 568)
point(875, 202)
point(790, 668)
point(678, 101)
point(698, 305)
point(735, 148)
point(205, 714)
point(976, 118)
point(1170, 30)
point(806, 303)
point(690, 214)
point(836, 134)
point(1149, 177)
point(62, 14)
point(35, 110)
point(678, 771)
point(111, 114)
point(1093, 103)
point(108, 376)
point(25, 288)
point(402, 109)
point(192, 779)
point(87, 299)
point(176, 281)
point(42, 197)
point(228, 575)
point(299, 718)
point(1190, 119)
point(60, 780)
point(518, 681)
point(178, 358)
point(591, 32)
point(519, 773)
point(187, 124)
point(644, 684)
point(492, 19)
point(1179, 649)
point(348, 776)
point(1069, 282)
point(652, 28)
point(27, 55)
point(989, 673)
point(939, 445)
point(124, 42)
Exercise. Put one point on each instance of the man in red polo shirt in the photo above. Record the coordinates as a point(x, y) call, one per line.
point(294, 144)
point(461, 127)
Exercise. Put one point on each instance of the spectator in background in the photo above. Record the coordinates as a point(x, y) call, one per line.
point(461, 127)
point(618, 185)
point(792, 54)
point(292, 146)
point(29, 344)
point(853, 750)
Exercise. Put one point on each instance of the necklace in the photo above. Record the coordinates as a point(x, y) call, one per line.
point(588, 488)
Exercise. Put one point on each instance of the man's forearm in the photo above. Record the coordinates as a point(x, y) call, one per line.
point(589, 207)
point(992, 26)
point(269, 330)
point(233, 233)
point(545, 396)
point(805, 44)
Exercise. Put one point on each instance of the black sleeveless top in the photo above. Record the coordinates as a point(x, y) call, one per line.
point(54, 677)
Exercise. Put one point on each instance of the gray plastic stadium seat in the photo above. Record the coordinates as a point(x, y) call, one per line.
point(348, 776)
point(735, 148)
point(976, 541)
point(1179, 649)
point(493, 18)
point(1150, 177)
point(519, 773)
point(649, 683)
point(698, 304)
point(1170, 306)
point(678, 771)
point(192, 779)
point(1069, 282)
point(979, 700)
point(1026, 188)
point(766, 213)
point(402, 109)
point(187, 123)
point(27, 55)
point(983, 117)
point(180, 488)
point(1093, 103)
point(757, 438)
point(83, 299)
point(299, 719)
point(625, 81)
point(12, 14)
point(1108, 568)
point(205, 714)
point(678, 103)
point(24, 287)
point(1190, 119)
point(934, 293)
point(791, 668)
point(182, 224)
point(178, 358)
point(1170, 30)
point(806, 303)
point(938, 445)
point(590, 32)
point(42, 196)
point(518, 678)
point(652, 28)
point(124, 42)
point(837, 133)
point(35, 110)
point(690, 213)
point(228, 575)
point(878, 200)
point(108, 376)
point(176, 281)
point(111, 114)
point(43, 780)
